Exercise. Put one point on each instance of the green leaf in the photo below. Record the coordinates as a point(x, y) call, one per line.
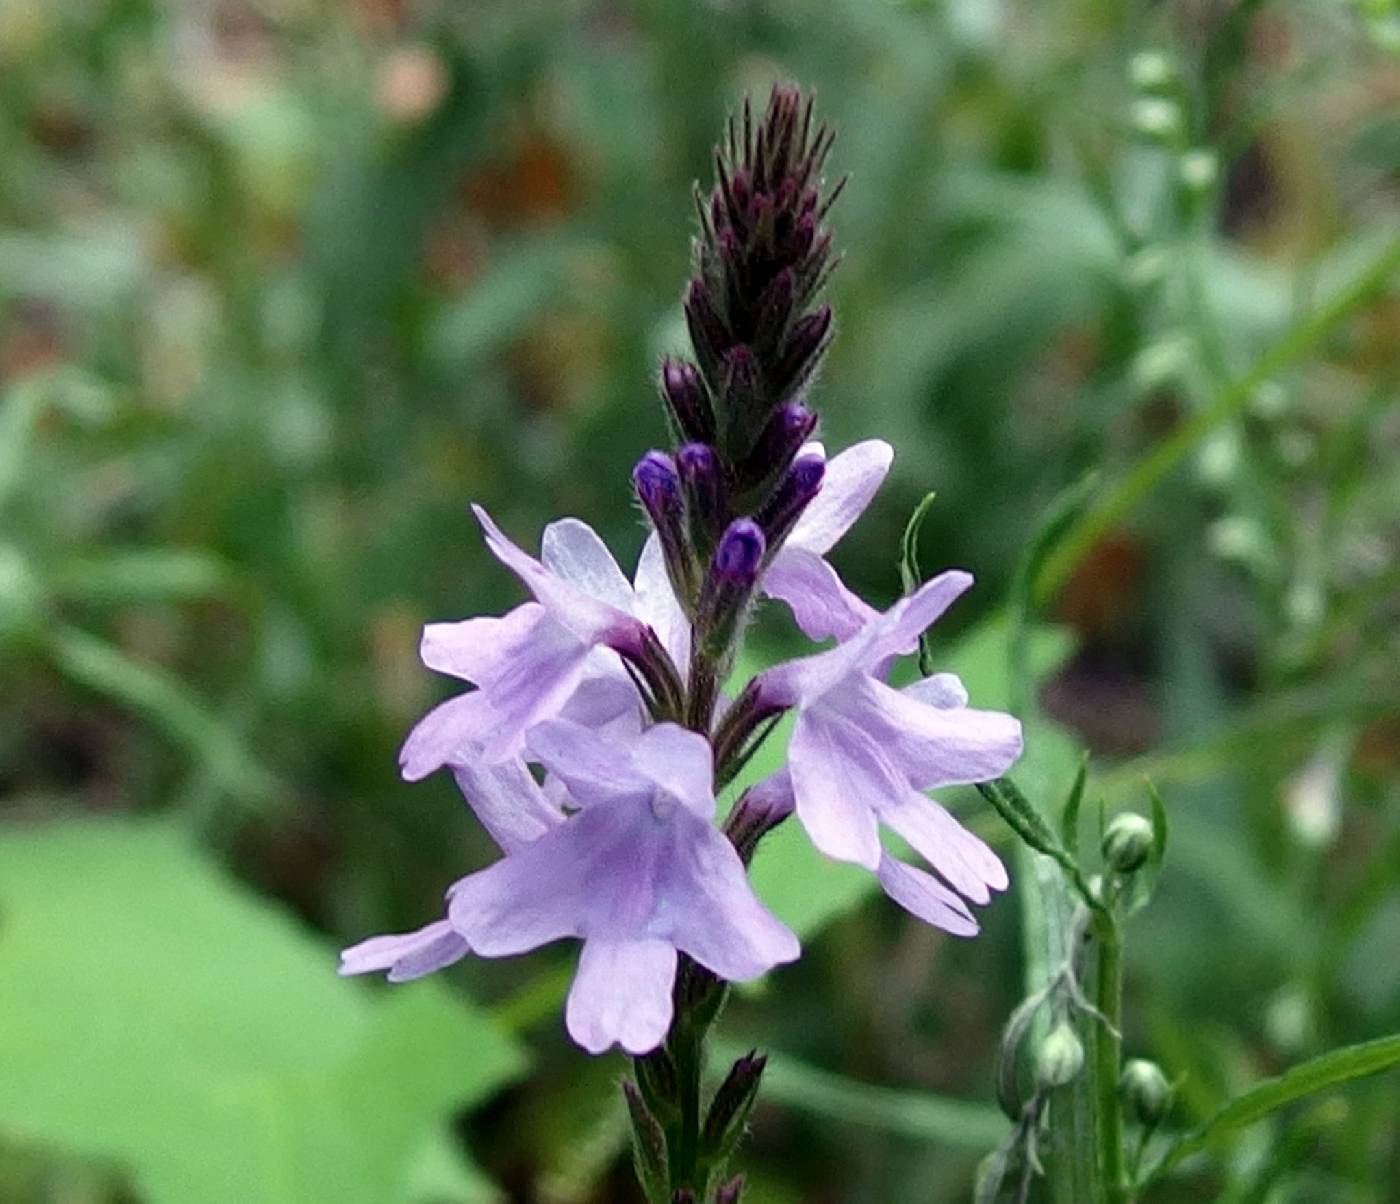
point(919, 1115)
point(106, 669)
point(153, 1013)
point(1318, 1074)
point(138, 575)
point(1069, 814)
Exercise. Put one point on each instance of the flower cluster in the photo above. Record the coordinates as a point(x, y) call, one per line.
point(597, 731)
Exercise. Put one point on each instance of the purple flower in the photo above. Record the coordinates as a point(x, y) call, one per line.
point(863, 753)
point(799, 574)
point(515, 811)
point(555, 656)
point(638, 872)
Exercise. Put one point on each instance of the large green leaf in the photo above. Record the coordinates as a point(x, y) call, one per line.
point(154, 1013)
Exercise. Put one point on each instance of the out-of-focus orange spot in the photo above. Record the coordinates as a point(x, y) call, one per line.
point(1378, 749)
point(535, 182)
point(1104, 592)
point(29, 342)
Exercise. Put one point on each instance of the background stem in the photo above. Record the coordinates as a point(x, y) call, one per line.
point(1108, 1056)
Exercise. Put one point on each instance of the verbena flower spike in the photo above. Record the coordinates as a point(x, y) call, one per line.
point(611, 690)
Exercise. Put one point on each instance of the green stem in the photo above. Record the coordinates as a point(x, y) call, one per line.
point(1109, 1055)
point(685, 1149)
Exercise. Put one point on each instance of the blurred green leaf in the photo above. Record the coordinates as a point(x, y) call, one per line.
point(108, 670)
point(154, 1013)
point(115, 576)
point(1317, 1074)
point(920, 1115)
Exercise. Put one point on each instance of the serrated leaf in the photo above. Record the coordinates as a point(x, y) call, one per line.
point(153, 1013)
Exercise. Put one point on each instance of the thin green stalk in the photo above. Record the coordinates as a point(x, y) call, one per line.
point(1109, 1055)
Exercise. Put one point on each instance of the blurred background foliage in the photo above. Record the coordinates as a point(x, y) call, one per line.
point(285, 283)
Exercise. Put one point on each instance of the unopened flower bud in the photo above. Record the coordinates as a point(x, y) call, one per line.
point(1127, 842)
point(787, 429)
point(658, 487)
point(731, 1192)
point(739, 554)
point(1156, 118)
point(1151, 71)
point(1146, 1091)
point(741, 402)
point(702, 480)
point(799, 485)
point(774, 310)
point(729, 583)
point(1060, 1057)
point(801, 350)
point(687, 402)
point(707, 332)
point(730, 1108)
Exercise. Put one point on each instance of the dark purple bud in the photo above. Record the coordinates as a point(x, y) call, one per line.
point(782, 437)
point(728, 586)
point(740, 377)
point(774, 310)
point(731, 1192)
point(658, 486)
point(687, 401)
point(707, 332)
point(742, 405)
point(802, 349)
point(683, 1195)
point(799, 485)
point(730, 1108)
point(702, 481)
point(739, 190)
point(803, 235)
point(739, 554)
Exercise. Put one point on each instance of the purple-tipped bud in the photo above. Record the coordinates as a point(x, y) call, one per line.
point(687, 401)
point(782, 437)
point(774, 310)
point(707, 332)
point(729, 1110)
point(762, 257)
point(802, 349)
point(658, 486)
point(739, 554)
point(732, 1192)
point(799, 485)
point(728, 585)
point(706, 503)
